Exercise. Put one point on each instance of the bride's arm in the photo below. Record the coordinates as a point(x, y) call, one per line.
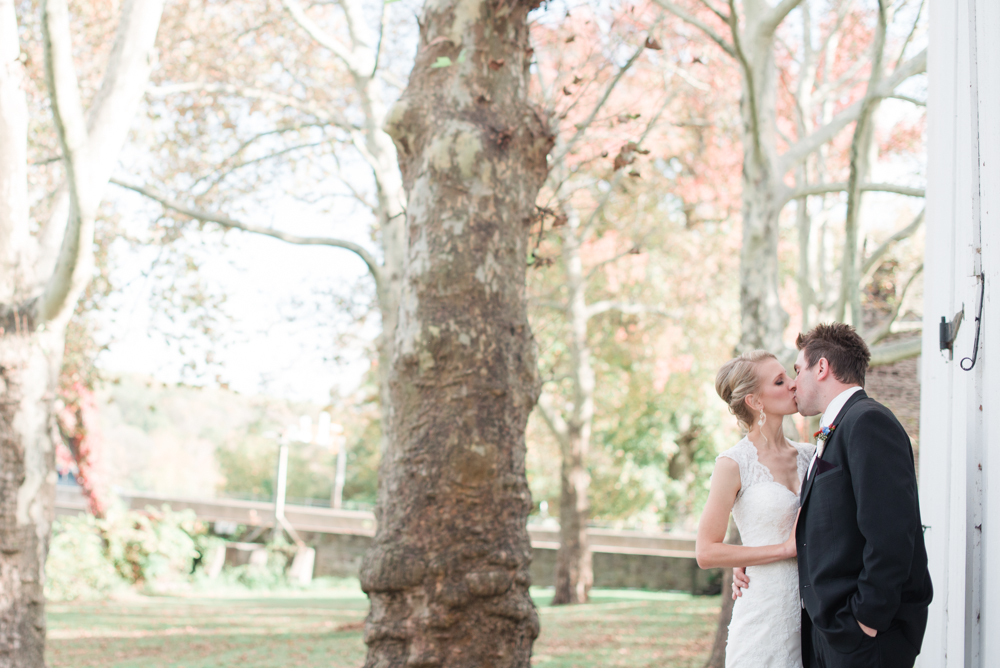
point(710, 550)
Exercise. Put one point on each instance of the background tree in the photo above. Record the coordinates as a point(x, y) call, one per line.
point(749, 33)
point(572, 428)
point(639, 179)
point(42, 276)
point(827, 70)
point(317, 82)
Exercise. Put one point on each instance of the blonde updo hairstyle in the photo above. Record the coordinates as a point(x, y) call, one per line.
point(736, 380)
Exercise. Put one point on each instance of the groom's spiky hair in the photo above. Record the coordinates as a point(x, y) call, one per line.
point(842, 347)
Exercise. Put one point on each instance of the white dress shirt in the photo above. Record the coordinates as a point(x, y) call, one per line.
point(829, 415)
point(833, 409)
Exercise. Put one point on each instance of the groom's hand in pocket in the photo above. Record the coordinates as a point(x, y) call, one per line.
point(867, 630)
point(740, 582)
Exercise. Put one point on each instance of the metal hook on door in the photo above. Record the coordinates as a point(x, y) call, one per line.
point(979, 325)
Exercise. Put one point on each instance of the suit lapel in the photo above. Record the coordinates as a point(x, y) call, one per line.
point(834, 438)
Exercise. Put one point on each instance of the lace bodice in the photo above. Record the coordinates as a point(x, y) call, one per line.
point(764, 632)
point(764, 509)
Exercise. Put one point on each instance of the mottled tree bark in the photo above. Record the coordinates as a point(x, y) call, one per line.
point(448, 572)
point(29, 365)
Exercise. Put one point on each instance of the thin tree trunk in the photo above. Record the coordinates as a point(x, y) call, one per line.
point(717, 659)
point(377, 149)
point(448, 571)
point(574, 571)
point(35, 305)
point(26, 453)
point(574, 561)
point(860, 153)
point(29, 364)
point(762, 318)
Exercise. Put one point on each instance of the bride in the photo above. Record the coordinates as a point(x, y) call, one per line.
point(758, 481)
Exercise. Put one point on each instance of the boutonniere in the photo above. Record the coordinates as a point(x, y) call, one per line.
point(824, 433)
point(821, 437)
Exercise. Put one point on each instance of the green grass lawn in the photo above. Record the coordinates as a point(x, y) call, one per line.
point(323, 628)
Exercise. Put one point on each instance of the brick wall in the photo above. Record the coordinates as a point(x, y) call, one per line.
point(897, 386)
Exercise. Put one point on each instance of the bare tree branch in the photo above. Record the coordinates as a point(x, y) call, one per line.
point(716, 11)
point(585, 125)
point(633, 250)
point(554, 421)
point(555, 306)
point(222, 175)
point(225, 221)
point(898, 236)
point(606, 197)
point(825, 188)
point(90, 150)
point(322, 38)
point(907, 98)
point(897, 351)
point(778, 14)
point(628, 308)
point(252, 93)
point(829, 88)
point(801, 149)
point(883, 329)
point(748, 74)
point(697, 23)
point(913, 31)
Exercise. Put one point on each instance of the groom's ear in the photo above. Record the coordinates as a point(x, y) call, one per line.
point(822, 369)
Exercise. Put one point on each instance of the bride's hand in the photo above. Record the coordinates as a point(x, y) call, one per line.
point(789, 545)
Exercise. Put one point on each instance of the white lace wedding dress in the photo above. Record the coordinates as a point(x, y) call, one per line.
point(764, 632)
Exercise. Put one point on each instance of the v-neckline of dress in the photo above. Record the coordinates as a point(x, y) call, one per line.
point(756, 460)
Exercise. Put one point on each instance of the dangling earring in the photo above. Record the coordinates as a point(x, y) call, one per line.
point(763, 418)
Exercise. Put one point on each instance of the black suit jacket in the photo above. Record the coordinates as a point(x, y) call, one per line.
point(859, 538)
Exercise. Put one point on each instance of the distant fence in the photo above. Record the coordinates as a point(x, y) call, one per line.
point(622, 559)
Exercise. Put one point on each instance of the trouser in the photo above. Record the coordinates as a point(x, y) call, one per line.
point(889, 649)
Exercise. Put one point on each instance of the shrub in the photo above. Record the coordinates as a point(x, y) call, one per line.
point(150, 545)
point(151, 549)
point(78, 564)
point(91, 557)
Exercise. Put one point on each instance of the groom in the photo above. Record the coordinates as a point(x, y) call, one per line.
point(863, 578)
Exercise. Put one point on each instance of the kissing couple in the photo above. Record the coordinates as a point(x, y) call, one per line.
point(845, 509)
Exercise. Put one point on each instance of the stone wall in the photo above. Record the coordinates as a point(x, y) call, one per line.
point(340, 555)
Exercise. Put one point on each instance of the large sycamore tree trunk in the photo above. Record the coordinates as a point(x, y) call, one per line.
point(41, 279)
point(448, 571)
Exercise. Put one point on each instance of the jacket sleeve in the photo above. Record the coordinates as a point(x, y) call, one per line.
point(885, 490)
